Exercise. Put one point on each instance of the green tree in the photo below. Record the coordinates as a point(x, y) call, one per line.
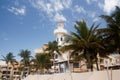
point(42, 61)
point(53, 47)
point(26, 56)
point(84, 40)
point(9, 59)
point(112, 32)
point(34, 66)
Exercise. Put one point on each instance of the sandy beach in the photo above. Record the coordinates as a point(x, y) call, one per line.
point(95, 75)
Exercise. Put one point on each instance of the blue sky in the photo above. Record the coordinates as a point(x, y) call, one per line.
point(28, 24)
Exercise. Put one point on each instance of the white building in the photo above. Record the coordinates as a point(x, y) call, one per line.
point(61, 61)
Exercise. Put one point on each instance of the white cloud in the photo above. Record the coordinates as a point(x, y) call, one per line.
point(57, 5)
point(5, 39)
point(79, 9)
point(109, 5)
point(96, 19)
point(59, 17)
point(49, 9)
point(100, 5)
point(90, 1)
point(39, 4)
point(91, 14)
point(42, 6)
point(67, 3)
point(18, 11)
point(16, 2)
point(52, 7)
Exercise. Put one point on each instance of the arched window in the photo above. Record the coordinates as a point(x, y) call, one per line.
point(55, 56)
point(61, 39)
point(57, 39)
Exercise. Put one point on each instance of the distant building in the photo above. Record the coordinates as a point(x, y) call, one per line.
point(41, 50)
point(113, 61)
point(12, 71)
point(9, 71)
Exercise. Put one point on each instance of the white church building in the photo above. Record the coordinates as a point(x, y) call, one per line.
point(61, 61)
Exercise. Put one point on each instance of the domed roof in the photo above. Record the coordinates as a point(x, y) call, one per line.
point(60, 29)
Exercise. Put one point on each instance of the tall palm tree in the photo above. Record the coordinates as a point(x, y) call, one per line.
point(9, 59)
point(84, 40)
point(25, 55)
point(112, 32)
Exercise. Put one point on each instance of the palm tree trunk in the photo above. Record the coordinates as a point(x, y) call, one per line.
point(88, 59)
point(29, 70)
point(11, 76)
point(7, 70)
point(96, 61)
point(22, 74)
point(90, 66)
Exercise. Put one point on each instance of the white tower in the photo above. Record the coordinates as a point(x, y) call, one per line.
point(60, 33)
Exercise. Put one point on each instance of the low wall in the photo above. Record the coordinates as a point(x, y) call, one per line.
point(96, 75)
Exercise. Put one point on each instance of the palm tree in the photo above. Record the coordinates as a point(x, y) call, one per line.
point(42, 61)
point(9, 59)
point(53, 47)
point(21, 69)
point(34, 66)
point(84, 40)
point(25, 55)
point(112, 32)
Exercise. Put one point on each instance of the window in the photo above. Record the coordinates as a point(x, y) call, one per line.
point(55, 56)
point(16, 73)
point(9, 68)
point(8, 72)
point(26, 69)
point(76, 65)
point(4, 72)
point(57, 39)
point(8, 76)
point(15, 68)
point(61, 38)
